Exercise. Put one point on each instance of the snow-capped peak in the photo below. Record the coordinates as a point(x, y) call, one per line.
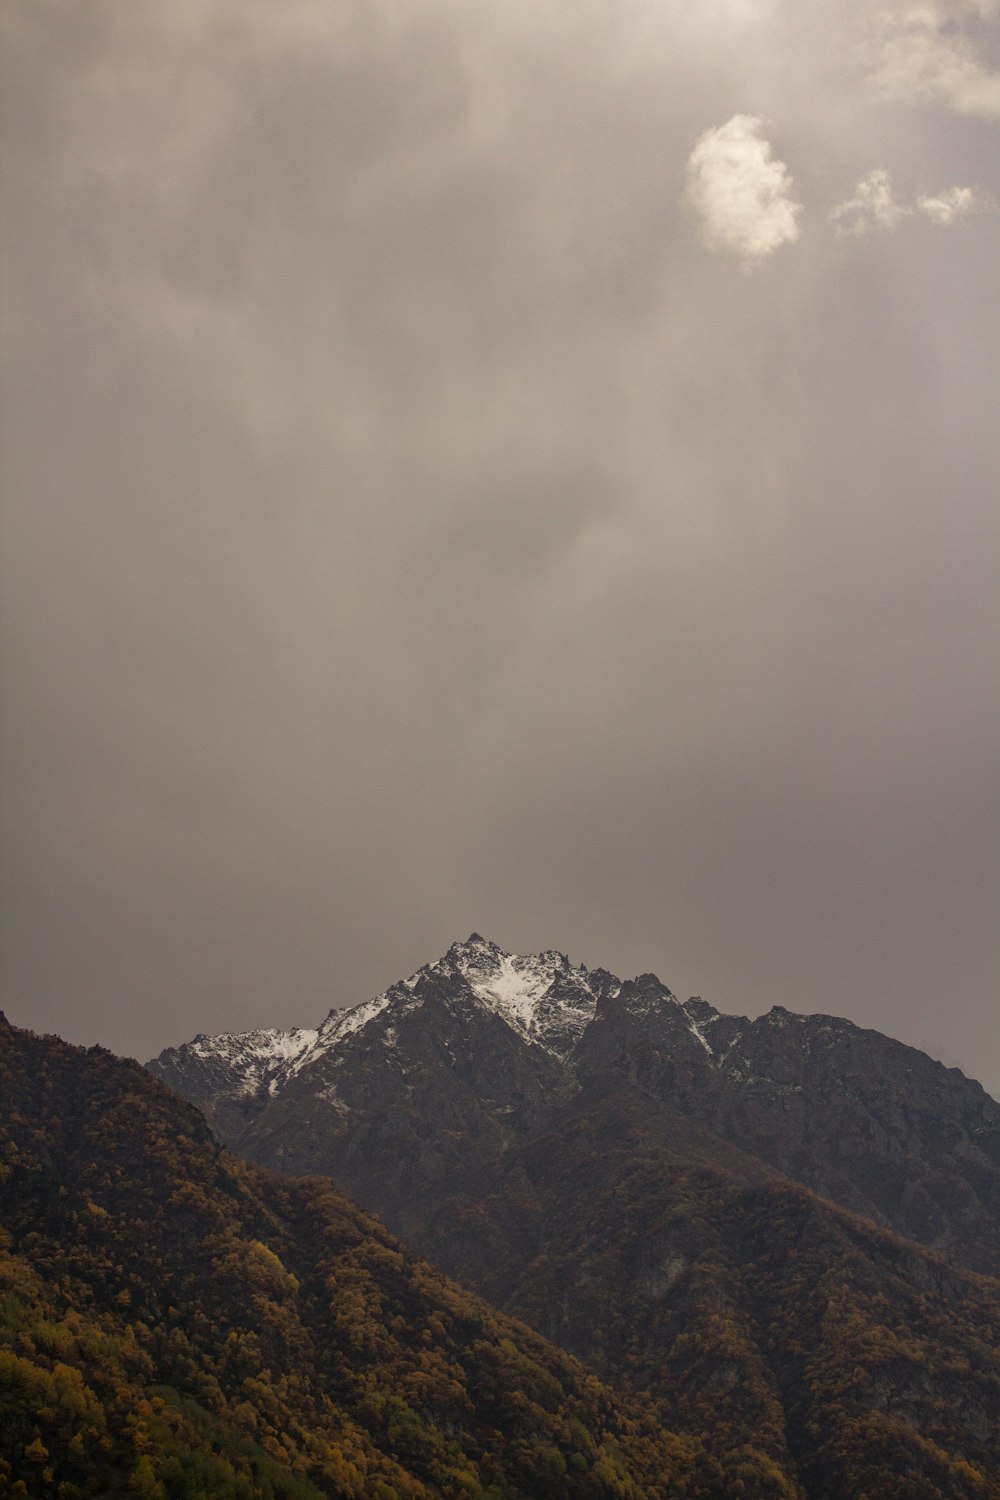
point(256, 1059)
point(341, 1024)
point(647, 996)
point(541, 995)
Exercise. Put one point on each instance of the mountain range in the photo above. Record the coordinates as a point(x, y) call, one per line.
point(783, 1232)
point(401, 1097)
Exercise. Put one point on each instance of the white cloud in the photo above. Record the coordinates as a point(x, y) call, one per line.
point(874, 206)
point(741, 193)
point(928, 50)
point(952, 203)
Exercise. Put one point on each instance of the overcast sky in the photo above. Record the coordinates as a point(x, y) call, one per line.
point(524, 466)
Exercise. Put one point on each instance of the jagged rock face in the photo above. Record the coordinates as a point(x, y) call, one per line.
point(231, 1078)
point(400, 1098)
point(407, 1107)
point(643, 1012)
point(418, 1094)
point(877, 1126)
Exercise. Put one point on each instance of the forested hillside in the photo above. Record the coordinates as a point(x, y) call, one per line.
point(175, 1324)
point(811, 1350)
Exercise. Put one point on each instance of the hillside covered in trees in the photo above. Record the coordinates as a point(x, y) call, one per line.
point(815, 1353)
point(175, 1324)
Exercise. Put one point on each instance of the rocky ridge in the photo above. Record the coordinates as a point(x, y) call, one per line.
point(543, 997)
point(407, 1096)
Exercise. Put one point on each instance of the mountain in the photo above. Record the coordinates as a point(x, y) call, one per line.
point(402, 1097)
point(807, 1347)
point(709, 1211)
point(176, 1324)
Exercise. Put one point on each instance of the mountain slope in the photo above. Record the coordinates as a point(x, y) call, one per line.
point(877, 1126)
point(799, 1339)
point(174, 1323)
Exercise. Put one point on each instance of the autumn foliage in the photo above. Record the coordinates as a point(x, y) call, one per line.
point(176, 1324)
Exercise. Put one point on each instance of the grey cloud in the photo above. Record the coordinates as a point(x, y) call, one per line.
point(409, 529)
point(938, 51)
point(949, 204)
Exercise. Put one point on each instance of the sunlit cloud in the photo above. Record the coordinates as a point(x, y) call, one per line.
point(741, 193)
point(953, 203)
point(875, 207)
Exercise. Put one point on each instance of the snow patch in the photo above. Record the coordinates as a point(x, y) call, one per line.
point(541, 995)
point(257, 1059)
point(330, 1096)
point(696, 1030)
